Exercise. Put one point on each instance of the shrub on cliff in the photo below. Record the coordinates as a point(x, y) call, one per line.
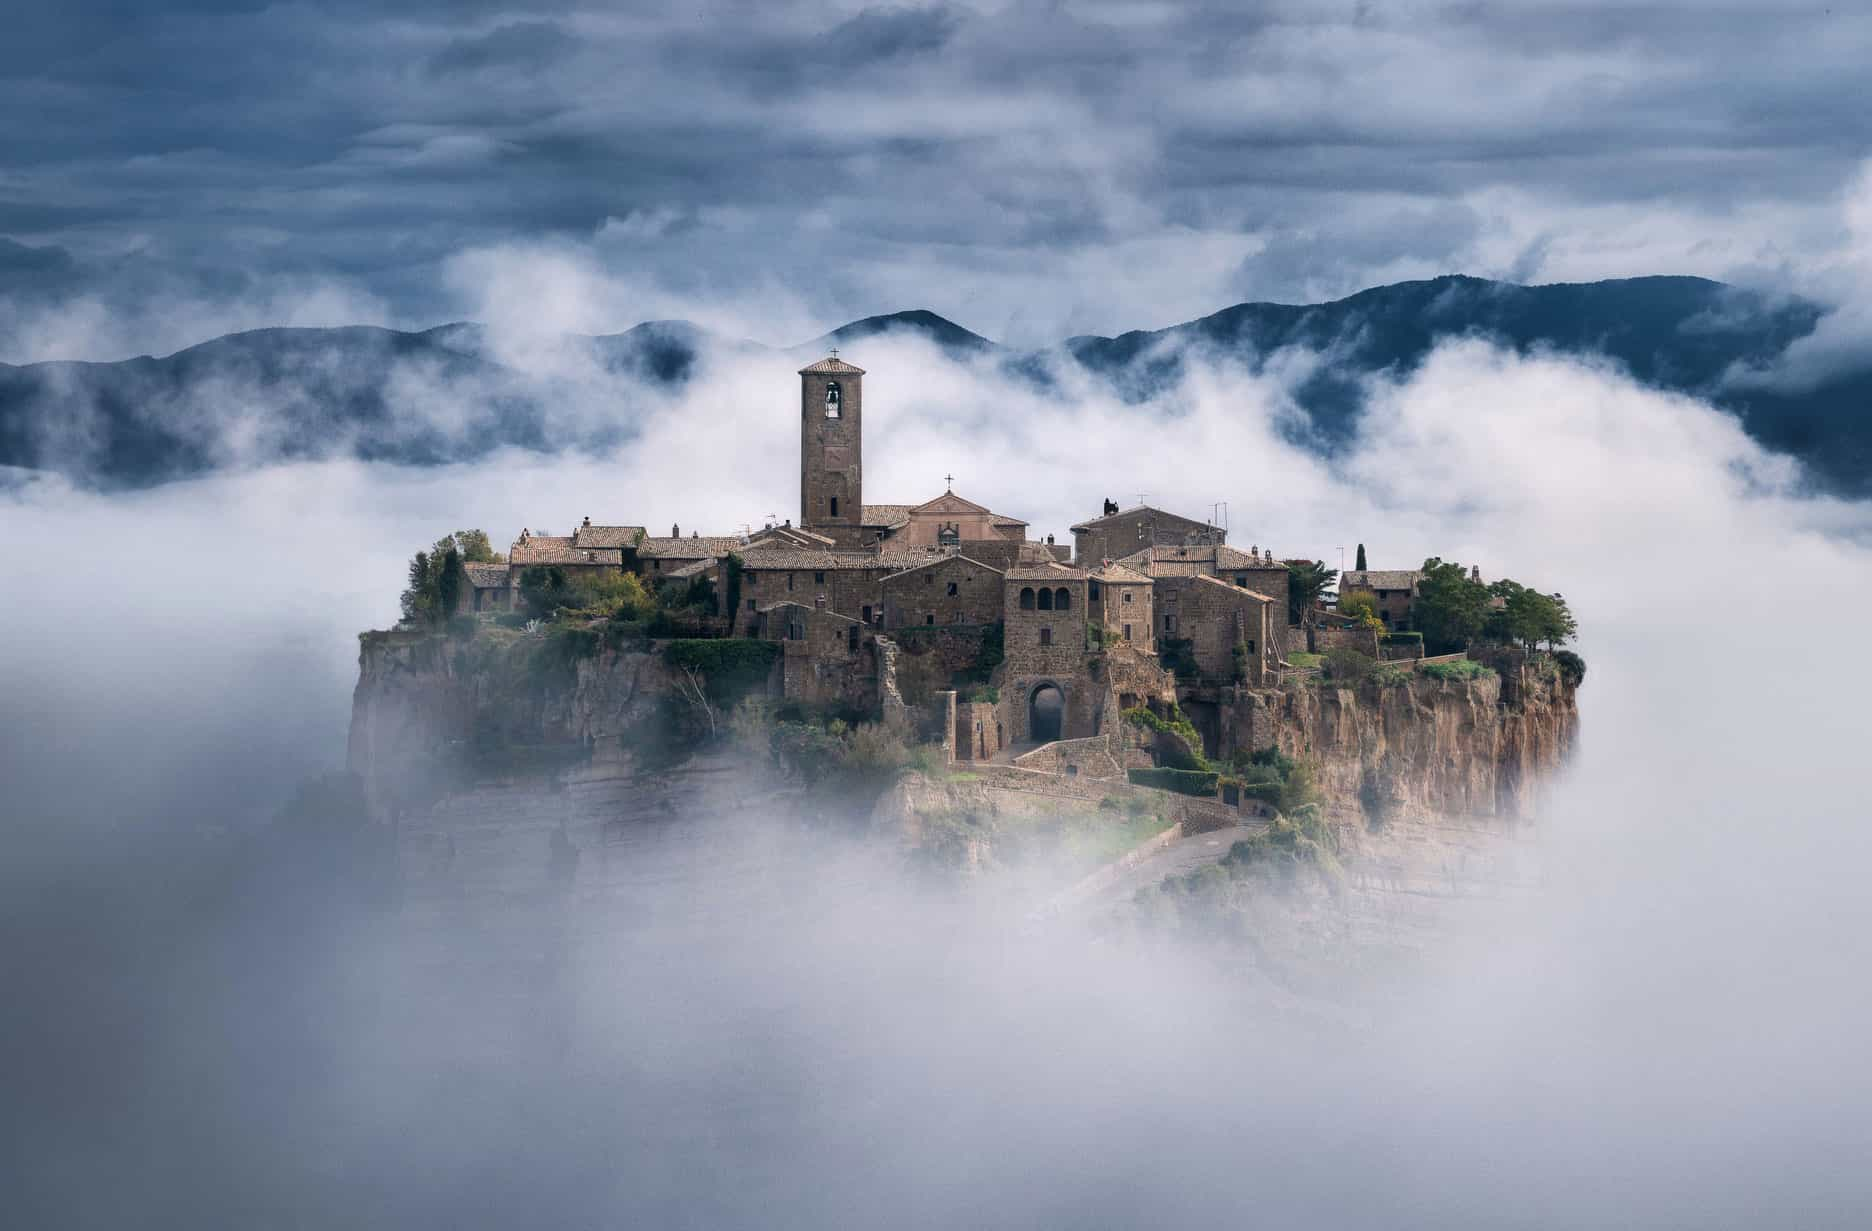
point(1201, 782)
point(1178, 656)
point(1461, 669)
point(730, 668)
point(544, 589)
point(1347, 666)
point(1186, 750)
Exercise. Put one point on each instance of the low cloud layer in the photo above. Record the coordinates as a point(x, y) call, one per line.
point(770, 1032)
point(1032, 169)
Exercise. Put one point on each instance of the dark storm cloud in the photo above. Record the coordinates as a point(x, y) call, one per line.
point(1047, 167)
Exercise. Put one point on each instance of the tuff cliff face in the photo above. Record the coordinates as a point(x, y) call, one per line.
point(427, 707)
point(1482, 747)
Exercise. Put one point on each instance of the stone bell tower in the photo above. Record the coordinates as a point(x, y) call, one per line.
point(832, 448)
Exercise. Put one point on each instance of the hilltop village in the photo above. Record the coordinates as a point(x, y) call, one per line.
point(1145, 604)
point(977, 691)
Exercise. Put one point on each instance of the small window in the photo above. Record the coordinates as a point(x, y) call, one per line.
point(867, 613)
point(789, 581)
point(930, 619)
point(1169, 624)
point(1046, 636)
point(952, 589)
point(1251, 645)
point(1127, 632)
point(818, 578)
point(929, 579)
point(835, 506)
point(851, 639)
point(1092, 592)
point(1127, 596)
point(750, 604)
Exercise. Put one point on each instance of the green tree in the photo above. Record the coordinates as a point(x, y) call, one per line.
point(1360, 566)
point(1451, 607)
point(544, 589)
point(419, 597)
point(1363, 608)
point(1527, 617)
point(474, 547)
point(1309, 583)
point(731, 588)
point(451, 585)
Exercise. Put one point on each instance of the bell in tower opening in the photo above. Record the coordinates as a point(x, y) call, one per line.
point(832, 399)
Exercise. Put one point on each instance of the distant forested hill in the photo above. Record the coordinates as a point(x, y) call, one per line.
point(443, 395)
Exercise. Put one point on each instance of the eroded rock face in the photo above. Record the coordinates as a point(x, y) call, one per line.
point(424, 704)
point(1428, 747)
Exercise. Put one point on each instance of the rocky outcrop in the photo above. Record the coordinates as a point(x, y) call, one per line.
point(1480, 747)
point(431, 712)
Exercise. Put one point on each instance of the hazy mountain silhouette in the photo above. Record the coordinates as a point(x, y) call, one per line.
point(445, 394)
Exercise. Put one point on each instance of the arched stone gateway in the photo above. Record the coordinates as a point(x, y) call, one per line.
point(1046, 705)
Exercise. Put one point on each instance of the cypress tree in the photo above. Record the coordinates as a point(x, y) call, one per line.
point(1360, 566)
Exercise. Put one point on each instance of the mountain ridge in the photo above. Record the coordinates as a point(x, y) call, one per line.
point(144, 420)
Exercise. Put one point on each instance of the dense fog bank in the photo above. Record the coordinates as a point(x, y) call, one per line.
point(213, 1023)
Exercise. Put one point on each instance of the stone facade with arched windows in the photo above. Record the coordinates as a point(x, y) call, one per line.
point(1045, 645)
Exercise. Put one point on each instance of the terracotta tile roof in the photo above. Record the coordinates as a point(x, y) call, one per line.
point(789, 534)
point(695, 547)
point(830, 364)
point(815, 610)
point(487, 576)
point(947, 559)
point(1134, 510)
point(1166, 560)
point(782, 558)
point(556, 549)
point(1232, 588)
point(1382, 579)
point(886, 515)
point(693, 569)
point(1045, 572)
point(589, 535)
point(1119, 574)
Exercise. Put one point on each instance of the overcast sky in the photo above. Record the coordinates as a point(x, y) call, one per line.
point(1032, 169)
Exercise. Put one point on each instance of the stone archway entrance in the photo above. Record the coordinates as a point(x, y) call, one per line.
point(1045, 708)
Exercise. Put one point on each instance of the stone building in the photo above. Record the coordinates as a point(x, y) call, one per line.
point(826, 658)
point(1253, 570)
point(1214, 617)
point(1121, 602)
point(916, 594)
point(1047, 688)
point(1392, 591)
point(563, 553)
point(946, 590)
point(849, 582)
point(951, 521)
point(832, 450)
point(491, 590)
point(1118, 534)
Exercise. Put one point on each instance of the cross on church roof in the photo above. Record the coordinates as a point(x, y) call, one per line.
point(949, 481)
point(835, 352)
